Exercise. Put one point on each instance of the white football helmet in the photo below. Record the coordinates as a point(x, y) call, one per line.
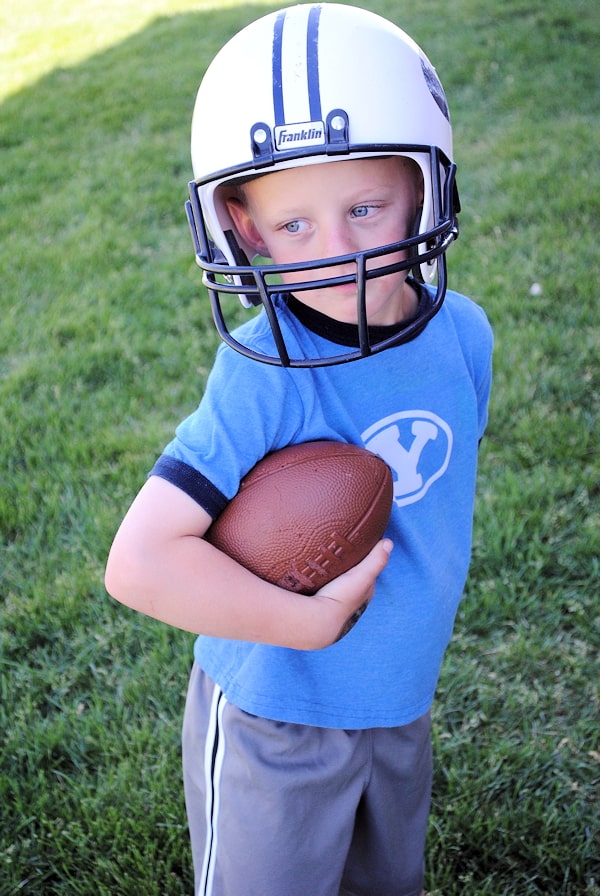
point(317, 83)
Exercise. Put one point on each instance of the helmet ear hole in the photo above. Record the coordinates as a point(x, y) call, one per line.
point(243, 223)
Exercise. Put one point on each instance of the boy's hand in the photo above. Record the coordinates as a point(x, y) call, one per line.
point(347, 597)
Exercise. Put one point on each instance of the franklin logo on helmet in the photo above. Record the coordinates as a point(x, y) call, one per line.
point(310, 133)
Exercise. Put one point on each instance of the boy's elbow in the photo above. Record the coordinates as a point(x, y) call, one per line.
point(124, 578)
point(113, 579)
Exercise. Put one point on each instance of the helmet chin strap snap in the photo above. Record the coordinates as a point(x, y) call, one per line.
point(338, 128)
point(261, 142)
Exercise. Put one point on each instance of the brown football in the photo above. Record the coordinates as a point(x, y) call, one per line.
point(306, 514)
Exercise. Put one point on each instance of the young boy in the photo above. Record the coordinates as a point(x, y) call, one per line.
point(307, 756)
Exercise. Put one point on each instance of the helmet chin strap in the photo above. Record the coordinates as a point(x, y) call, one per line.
point(241, 259)
point(413, 252)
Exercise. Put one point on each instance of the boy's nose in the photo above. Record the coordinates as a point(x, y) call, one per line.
point(336, 240)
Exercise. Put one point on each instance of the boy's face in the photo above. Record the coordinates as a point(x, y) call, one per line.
point(336, 208)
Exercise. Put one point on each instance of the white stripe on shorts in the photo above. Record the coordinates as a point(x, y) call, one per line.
point(213, 763)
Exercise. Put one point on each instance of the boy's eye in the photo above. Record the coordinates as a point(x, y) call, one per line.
point(360, 211)
point(293, 226)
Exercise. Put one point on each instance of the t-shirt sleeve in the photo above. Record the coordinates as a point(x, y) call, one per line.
point(238, 421)
point(190, 481)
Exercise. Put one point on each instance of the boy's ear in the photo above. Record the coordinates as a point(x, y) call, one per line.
point(245, 226)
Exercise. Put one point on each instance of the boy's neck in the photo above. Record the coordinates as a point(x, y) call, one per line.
point(343, 333)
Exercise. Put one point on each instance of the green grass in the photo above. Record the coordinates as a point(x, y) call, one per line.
point(105, 341)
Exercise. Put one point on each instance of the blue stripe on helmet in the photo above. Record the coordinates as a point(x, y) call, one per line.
point(277, 69)
point(312, 64)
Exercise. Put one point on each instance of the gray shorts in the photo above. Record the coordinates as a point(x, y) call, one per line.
point(277, 809)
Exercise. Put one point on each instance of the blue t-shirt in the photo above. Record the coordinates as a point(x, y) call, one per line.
point(422, 406)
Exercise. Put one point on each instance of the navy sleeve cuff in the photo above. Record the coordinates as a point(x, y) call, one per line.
point(190, 481)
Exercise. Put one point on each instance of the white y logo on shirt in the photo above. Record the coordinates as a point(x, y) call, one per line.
point(416, 445)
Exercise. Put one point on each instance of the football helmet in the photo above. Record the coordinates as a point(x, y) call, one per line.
point(317, 83)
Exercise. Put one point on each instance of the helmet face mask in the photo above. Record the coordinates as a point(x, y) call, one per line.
point(306, 101)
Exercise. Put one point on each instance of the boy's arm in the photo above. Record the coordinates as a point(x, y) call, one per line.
point(160, 565)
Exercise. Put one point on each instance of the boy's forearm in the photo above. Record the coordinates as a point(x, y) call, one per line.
point(161, 565)
point(194, 587)
point(200, 590)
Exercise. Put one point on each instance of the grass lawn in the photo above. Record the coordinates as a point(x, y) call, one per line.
point(105, 342)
